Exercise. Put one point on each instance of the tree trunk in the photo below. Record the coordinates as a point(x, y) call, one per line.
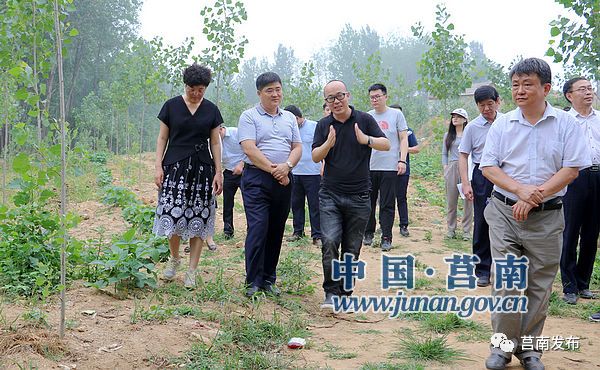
point(63, 188)
point(78, 58)
point(36, 89)
point(5, 147)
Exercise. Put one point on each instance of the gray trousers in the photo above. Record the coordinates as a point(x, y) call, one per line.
point(452, 177)
point(540, 239)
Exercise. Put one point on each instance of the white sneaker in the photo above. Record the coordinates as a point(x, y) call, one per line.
point(171, 268)
point(190, 279)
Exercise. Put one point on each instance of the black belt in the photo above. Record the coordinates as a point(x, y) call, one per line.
point(594, 168)
point(554, 203)
point(248, 165)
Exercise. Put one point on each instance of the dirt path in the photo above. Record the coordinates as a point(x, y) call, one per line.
point(105, 332)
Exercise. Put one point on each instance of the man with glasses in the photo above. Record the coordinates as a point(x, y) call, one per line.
point(531, 154)
point(271, 141)
point(385, 166)
point(344, 139)
point(582, 200)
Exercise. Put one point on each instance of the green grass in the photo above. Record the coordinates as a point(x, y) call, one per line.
point(392, 366)
point(368, 331)
point(427, 350)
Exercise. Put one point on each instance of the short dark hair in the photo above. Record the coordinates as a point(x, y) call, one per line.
point(267, 78)
point(569, 85)
point(324, 105)
point(378, 87)
point(294, 110)
point(531, 66)
point(197, 75)
point(486, 92)
point(396, 106)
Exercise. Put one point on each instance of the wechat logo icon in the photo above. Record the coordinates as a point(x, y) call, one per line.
point(499, 340)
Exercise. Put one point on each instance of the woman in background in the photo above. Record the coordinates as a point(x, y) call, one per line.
point(458, 121)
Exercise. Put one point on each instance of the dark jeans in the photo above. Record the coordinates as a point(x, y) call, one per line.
point(231, 183)
point(401, 190)
point(343, 221)
point(482, 191)
point(306, 186)
point(267, 205)
point(582, 223)
point(383, 186)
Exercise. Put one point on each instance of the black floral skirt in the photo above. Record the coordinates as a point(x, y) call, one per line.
point(186, 204)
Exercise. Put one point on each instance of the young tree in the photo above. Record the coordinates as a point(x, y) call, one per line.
point(227, 49)
point(445, 67)
point(578, 39)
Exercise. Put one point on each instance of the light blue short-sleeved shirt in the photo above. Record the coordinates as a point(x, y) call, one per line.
point(391, 122)
point(450, 155)
point(306, 166)
point(273, 135)
point(232, 150)
point(473, 139)
point(591, 130)
point(532, 154)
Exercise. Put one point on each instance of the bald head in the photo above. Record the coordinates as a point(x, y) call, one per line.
point(335, 86)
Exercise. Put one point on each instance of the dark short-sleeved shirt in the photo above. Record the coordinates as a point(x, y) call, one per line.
point(412, 141)
point(188, 133)
point(347, 163)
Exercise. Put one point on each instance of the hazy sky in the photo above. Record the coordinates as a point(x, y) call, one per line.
point(506, 28)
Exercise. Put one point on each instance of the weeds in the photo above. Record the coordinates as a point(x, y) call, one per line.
point(428, 349)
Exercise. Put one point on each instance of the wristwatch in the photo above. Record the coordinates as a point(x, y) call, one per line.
point(290, 165)
point(369, 141)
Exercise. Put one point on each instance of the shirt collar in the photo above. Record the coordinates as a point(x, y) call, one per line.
point(576, 114)
point(263, 112)
point(517, 114)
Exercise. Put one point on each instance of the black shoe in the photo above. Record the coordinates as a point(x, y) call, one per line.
point(294, 238)
point(404, 230)
point(570, 298)
point(496, 362)
point(595, 317)
point(532, 363)
point(273, 290)
point(317, 241)
point(587, 294)
point(483, 281)
point(368, 239)
point(228, 236)
point(251, 291)
point(386, 245)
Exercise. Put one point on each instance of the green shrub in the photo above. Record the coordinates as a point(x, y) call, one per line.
point(118, 196)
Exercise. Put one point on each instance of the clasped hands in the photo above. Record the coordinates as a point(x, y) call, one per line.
point(280, 173)
point(530, 196)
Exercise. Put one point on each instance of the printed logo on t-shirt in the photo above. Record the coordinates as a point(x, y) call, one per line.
point(384, 125)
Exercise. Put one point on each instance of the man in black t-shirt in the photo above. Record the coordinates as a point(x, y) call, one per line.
point(344, 139)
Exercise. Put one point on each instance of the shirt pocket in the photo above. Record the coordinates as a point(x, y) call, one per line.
point(553, 154)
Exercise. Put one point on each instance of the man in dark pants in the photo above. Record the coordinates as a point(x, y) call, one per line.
point(233, 162)
point(479, 189)
point(306, 179)
point(385, 166)
point(582, 201)
point(344, 139)
point(402, 180)
point(270, 139)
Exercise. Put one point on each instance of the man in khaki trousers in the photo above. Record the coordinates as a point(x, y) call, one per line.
point(530, 155)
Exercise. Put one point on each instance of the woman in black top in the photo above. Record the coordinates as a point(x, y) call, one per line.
point(187, 176)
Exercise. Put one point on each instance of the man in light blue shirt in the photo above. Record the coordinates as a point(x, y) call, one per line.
point(233, 164)
point(479, 189)
point(531, 154)
point(270, 139)
point(306, 179)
